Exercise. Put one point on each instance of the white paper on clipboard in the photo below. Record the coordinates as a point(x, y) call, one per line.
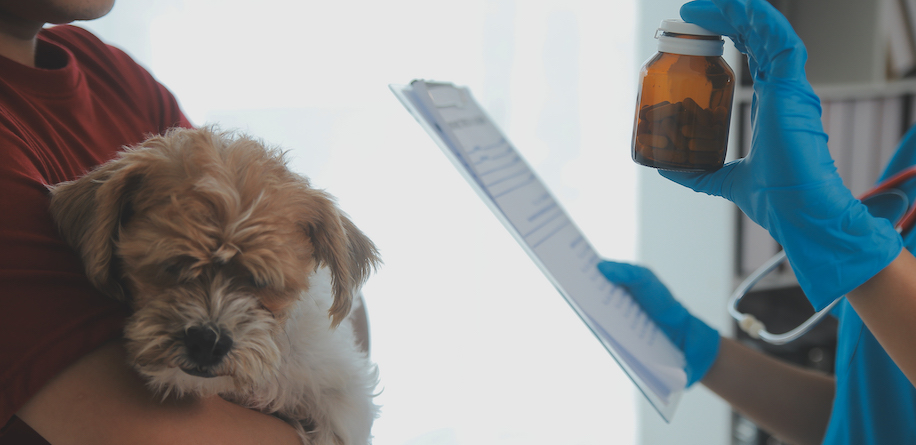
point(516, 195)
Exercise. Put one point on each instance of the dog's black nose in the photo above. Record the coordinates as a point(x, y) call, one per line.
point(206, 346)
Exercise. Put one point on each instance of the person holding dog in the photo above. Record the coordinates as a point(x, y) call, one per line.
point(788, 184)
point(68, 102)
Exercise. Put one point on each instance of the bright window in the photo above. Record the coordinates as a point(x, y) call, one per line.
point(473, 343)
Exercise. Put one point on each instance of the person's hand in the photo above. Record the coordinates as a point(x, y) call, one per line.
point(788, 183)
point(698, 341)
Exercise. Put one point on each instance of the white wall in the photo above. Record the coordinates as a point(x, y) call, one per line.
point(474, 345)
point(687, 239)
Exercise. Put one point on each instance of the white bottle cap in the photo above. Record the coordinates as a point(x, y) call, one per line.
point(690, 47)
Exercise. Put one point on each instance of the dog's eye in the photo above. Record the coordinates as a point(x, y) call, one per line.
point(178, 269)
point(173, 270)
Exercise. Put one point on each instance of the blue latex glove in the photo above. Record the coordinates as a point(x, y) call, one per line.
point(698, 341)
point(788, 183)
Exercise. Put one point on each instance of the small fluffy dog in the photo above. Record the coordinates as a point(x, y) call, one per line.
point(240, 276)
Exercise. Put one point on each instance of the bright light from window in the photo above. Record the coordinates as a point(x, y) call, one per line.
point(473, 343)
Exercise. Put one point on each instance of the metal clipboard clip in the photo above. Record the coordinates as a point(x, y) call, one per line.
point(445, 95)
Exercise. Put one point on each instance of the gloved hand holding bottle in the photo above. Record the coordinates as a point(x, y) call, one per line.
point(788, 182)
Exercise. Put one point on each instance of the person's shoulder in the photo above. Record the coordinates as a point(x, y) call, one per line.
point(72, 35)
point(69, 31)
point(85, 46)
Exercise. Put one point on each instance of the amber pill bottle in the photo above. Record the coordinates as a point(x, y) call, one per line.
point(684, 104)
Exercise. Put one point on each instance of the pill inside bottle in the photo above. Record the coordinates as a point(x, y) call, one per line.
point(685, 99)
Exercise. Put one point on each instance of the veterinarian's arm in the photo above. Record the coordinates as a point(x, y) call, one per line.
point(788, 183)
point(887, 305)
point(99, 400)
point(788, 401)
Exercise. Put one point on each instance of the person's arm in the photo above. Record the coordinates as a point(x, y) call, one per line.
point(887, 305)
point(100, 400)
point(788, 401)
point(788, 182)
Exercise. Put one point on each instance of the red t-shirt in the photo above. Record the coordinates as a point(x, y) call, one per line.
point(55, 124)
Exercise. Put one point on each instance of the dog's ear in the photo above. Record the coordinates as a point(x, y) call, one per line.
point(90, 212)
point(347, 252)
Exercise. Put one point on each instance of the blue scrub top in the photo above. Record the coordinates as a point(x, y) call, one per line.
point(874, 401)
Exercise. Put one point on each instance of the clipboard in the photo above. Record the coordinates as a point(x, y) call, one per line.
point(503, 179)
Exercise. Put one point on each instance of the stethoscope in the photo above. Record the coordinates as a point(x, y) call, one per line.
point(884, 200)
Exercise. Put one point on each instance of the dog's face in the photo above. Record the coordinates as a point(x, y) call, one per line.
point(211, 239)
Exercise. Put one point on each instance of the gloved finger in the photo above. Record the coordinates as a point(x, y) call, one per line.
point(623, 274)
point(639, 281)
point(707, 15)
point(788, 128)
point(645, 288)
point(775, 51)
point(714, 183)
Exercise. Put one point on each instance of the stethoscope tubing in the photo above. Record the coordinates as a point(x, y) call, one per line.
point(755, 328)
